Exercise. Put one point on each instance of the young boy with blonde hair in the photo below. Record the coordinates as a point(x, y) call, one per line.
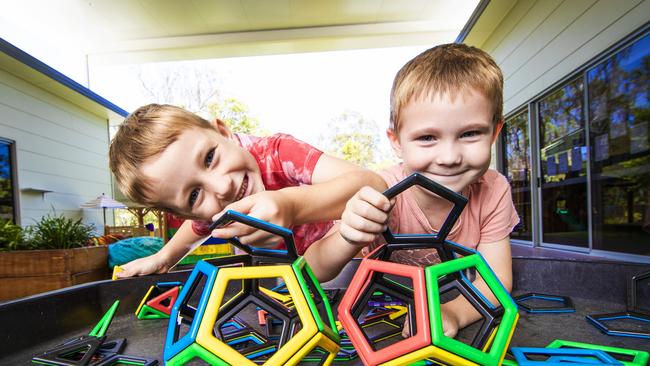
point(166, 157)
point(446, 112)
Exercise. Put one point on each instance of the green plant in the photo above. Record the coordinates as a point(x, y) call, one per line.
point(58, 232)
point(11, 237)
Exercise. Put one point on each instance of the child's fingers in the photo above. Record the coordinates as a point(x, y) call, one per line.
point(375, 198)
point(356, 237)
point(126, 271)
point(260, 239)
point(232, 230)
point(362, 223)
point(244, 206)
point(364, 211)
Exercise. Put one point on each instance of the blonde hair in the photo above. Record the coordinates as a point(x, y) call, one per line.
point(446, 69)
point(144, 134)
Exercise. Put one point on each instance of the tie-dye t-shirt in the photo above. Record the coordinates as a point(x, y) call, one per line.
point(489, 216)
point(284, 161)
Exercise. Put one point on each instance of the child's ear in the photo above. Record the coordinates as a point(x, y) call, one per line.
point(222, 128)
point(497, 129)
point(394, 142)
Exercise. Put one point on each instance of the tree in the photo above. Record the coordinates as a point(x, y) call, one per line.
point(195, 87)
point(237, 117)
point(354, 138)
point(188, 85)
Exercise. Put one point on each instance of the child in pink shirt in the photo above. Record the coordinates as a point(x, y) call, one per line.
point(446, 112)
point(167, 157)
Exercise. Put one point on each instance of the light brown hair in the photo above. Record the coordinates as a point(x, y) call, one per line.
point(446, 69)
point(144, 134)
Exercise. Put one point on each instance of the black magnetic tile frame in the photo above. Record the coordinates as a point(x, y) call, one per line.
point(565, 307)
point(633, 312)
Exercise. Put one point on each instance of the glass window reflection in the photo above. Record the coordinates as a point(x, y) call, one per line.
point(6, 182)
point(516, 145)
point(563, 166)
point(618, 90)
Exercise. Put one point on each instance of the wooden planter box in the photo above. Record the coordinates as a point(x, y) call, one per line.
point(28, 272)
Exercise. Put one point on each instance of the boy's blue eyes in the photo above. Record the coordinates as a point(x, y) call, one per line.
point(429, 138)
point(193, 196)
point(470, 134)
point(208, 158)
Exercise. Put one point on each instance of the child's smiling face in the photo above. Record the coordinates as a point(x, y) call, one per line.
point(201, 172)
point(447, 139)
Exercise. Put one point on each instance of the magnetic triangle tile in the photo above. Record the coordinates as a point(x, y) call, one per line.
point(102, 326)
point(147, 312)
point(158, 301)
point(78, 353)
point(144, 299)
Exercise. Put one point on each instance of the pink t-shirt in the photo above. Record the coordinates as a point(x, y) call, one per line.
point(284, 161)
point(489, 215)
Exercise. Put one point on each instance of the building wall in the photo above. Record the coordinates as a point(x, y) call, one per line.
point(59, 146)
point(539, 42)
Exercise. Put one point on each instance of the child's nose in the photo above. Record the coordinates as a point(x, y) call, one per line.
point(222, 187)
point(449, 154)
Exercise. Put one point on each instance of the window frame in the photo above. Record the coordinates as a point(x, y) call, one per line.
point(14, 178)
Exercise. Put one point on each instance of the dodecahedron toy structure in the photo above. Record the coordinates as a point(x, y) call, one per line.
point(420, 290)
point(205, 320)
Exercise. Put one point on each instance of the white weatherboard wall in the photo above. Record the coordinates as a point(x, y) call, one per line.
point(539, 42)
point(60, 147)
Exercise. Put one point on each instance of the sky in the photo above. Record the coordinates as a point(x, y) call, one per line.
point(296, 93)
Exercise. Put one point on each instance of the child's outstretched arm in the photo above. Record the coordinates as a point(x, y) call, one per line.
point(459, 313)
point(363, 220)
point(333, 182)
point(168, 256)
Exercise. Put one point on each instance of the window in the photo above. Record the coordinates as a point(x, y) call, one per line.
point(516, 151)
point(619, 118)
point(7, 193)
point(563, 166)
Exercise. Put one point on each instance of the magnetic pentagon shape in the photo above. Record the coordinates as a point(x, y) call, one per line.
point(250, 343)
point(458, 201)
point(192, 352)
point(600, 321)
point(357, 293)
point(560, 356)
point(565, 303)
point(640, 293)
point(288, 254)
point(117, 359)
point(316, 299)
point(491, 315)
point(501, 339)
point(181, 311)
point(298, 346)
point(638, 358)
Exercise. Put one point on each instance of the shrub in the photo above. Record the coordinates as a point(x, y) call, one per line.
point(58, 232)
point(11, 237)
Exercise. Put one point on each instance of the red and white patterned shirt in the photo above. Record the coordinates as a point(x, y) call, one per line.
point(284, 161)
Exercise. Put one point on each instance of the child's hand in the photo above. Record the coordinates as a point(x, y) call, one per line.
point(271, 206)
point(449, 324)
point(143, 266)
point(365, 217)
